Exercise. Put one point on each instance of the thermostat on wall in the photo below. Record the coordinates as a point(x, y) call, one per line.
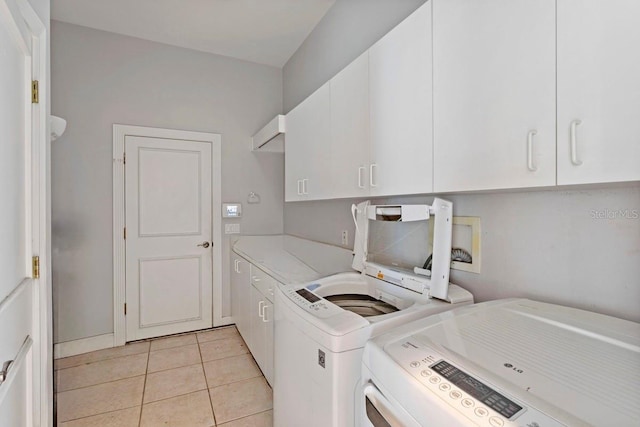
point(231, 210)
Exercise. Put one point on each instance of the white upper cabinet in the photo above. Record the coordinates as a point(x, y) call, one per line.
point(350, 130)
point(307, 148)
point(494, 94)
point(400, 97)
point(598, 91)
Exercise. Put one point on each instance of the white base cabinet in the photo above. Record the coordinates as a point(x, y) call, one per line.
point(252, 298)
point(240, 295)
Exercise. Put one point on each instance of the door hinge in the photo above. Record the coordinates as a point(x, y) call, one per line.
point(124, 233)
point(35, 96)
point(124, 158)
point(35, 267)
point(125, 308)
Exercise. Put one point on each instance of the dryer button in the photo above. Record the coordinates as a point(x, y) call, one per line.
point(467, 403)
point(445, 387)
point(414, 364)
point(481, 412)
point(496, 422)
point(425, 372)
point(434, 380)
point(455, 394)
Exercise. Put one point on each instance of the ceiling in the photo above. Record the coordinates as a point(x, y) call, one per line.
point(263, 31)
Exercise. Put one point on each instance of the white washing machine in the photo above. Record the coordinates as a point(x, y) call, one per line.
point(322, 327)
point(504, 363)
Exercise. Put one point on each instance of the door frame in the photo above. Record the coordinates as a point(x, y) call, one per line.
point(38, 208)
point(120, 132)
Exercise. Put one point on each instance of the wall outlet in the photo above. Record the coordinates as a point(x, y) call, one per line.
point(345, 237)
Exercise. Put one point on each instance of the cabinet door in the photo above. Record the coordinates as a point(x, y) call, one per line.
point(269, 313)
point(257, 345)
point(494, 94)
point(349, 144)
point(240, 296)
point(400, 91)
point(307, 153)
point(598, 91)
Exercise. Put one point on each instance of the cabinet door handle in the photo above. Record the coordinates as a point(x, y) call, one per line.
point(264, 313)
point(360, 172)
point(235, 265)
point(261, 310)
point(574, 143)
point(305, 189)
point(299, 187)
point(255, 279)
point(372, 167)
point(530, 164)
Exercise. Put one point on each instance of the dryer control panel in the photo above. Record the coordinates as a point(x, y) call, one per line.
point(481, 402)
point(312, 303)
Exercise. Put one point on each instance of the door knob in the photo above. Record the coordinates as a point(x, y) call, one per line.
point(204, 244)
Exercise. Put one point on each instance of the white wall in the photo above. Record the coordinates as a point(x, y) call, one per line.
point(542, 244)
point(101, 78)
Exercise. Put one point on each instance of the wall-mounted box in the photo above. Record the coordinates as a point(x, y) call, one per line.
point(271, 137)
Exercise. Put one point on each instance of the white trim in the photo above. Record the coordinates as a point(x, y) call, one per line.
point(119, 285)
point(30, 25)
point(84, 345)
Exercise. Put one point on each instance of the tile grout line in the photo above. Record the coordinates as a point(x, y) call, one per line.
point(106, 382)
point(206, 383)
point(95, 415)
point(144, 386)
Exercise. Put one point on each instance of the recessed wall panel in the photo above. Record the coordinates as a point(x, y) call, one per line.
point(169, 192)
point(170, 290)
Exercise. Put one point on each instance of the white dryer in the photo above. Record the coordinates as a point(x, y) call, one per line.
point(504, 363)
point(322, 327)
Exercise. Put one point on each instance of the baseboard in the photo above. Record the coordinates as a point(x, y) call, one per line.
point(84, 345)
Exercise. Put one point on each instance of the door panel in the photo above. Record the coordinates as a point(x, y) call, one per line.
point(18, 321)
point(168, 219)
point(599, 86)
point(494, 94)
point(400, 79)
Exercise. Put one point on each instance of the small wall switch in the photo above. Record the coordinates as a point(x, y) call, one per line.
point(232, 229)
point(345, 237)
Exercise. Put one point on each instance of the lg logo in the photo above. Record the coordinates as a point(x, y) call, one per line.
point(513, 368)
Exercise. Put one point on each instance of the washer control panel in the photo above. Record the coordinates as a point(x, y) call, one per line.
point(482, 403)
point(311, 302)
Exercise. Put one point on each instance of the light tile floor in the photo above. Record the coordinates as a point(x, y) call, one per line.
point(204, 379)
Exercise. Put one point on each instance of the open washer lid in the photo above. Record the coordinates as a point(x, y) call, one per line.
point(430, 284)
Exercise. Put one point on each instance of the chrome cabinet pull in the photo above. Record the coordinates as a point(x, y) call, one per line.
point(305, 189)
point(574, 143)
point(299, 187)
point(530, 164)
point(264, 313)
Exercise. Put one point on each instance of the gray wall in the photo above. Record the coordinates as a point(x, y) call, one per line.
point(349, 28)
point(542, 244)
point(101, 78)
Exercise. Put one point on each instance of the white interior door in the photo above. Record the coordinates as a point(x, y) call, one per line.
point(19, 318)
point(168, 236)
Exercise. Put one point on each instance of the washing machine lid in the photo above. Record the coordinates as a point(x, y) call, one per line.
point(433, 283)
point(564, 362)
